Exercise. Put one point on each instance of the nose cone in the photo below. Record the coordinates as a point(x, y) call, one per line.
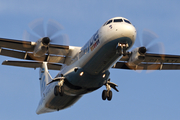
point(128, 30)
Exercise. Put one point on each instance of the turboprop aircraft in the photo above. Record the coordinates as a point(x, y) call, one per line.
point(84, 69)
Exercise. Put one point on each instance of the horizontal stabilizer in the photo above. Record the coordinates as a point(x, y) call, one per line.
point(30, 64)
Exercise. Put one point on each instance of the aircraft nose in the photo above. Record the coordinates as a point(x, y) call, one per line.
point(129, 31)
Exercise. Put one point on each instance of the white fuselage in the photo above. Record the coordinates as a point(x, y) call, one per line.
point(89, 69)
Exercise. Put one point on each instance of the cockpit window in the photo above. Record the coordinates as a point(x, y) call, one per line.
point(118, 20)
point(110, 21)
point(127, 21)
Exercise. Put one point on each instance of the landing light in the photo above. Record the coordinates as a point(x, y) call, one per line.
point(81, 74)
point(104, 75)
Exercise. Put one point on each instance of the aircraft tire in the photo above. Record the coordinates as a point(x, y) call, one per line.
point(104, 94)
point(124, 53)
point(56, 90)
point(109, 96)
point(62, 91)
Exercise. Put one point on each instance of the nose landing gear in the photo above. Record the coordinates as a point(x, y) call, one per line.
point(107, 94)
point(121, 48)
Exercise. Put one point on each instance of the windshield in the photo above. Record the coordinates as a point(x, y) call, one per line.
point(118, 20)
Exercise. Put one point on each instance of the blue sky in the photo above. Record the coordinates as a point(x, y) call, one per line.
point(143, 95)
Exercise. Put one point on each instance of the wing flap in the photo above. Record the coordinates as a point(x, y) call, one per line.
point(16, 44)
point(30, 64)
point(58, 49)
point(147, 66)
point(161, 58)
point(12, 53)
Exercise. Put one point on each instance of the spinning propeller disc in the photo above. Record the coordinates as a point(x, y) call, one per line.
point(52, 29)
point(149, 45)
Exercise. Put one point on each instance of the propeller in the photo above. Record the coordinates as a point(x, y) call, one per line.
point(148, 45)
point(50, 31)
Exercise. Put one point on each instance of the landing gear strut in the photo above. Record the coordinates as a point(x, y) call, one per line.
point(121, 48)
point(59, 89)
point(107, 94)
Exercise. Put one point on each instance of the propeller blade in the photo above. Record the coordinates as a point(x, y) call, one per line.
point(156, 48)
point(148, 37)
point(37, 27)
point(138, 42)
point(60, 39)
point(53, 28)
point(29, 36)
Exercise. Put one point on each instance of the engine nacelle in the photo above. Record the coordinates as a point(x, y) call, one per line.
point(137, 56)
point(41, 47)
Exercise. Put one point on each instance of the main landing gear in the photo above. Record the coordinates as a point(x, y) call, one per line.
point(59, 89)
point(107, 94)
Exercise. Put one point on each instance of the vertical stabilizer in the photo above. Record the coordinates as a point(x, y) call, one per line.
point(44, 76)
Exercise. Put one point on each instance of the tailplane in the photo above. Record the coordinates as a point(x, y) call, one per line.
point(44, 76)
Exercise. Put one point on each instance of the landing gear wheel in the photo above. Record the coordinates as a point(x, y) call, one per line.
point(124, 53)
point(61, 90)
point(109, 96)
point(104, 94)
point(56, 90)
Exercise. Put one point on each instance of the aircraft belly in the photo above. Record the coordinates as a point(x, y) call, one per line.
point(62, 102)
point(49, 102)
point(56, 103)
point(86, 82)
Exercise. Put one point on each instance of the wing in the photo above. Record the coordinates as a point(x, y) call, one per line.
point(151, 62)
point(17, 44)
point(31, 64)
point(24, 50)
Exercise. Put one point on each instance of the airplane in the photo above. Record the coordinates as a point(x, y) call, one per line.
point(84, 69)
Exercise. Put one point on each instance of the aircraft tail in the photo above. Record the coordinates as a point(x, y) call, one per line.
point(44, 76)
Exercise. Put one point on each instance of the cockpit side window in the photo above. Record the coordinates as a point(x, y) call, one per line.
point(104, 24)
point(118, 20)
point(127, 21)
point(110, 21)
